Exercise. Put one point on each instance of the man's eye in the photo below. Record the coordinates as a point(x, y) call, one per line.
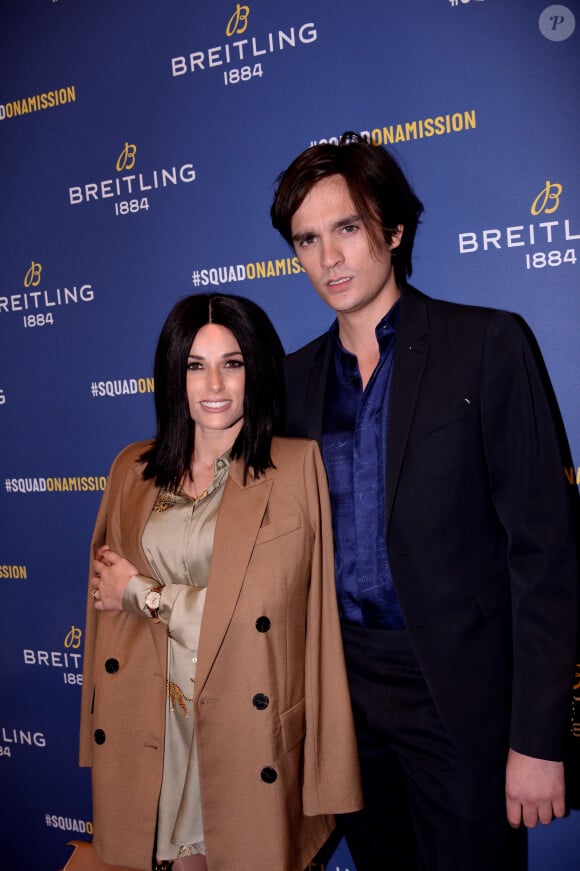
point(306, 241)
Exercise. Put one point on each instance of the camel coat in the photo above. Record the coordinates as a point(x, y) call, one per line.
point(277, 752)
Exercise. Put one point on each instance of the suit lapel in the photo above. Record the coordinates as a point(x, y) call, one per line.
point(411, 352)
point(238, 524)
point(316, 390)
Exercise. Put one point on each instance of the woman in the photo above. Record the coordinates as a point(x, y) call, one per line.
point(223, 742)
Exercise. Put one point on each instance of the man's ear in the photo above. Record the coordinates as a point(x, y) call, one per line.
point(397, 236)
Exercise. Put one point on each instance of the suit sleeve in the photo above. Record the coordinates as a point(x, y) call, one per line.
point(331, 772)
point(529, 490)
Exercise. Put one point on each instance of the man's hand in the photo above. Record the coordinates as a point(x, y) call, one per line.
point(534, 790)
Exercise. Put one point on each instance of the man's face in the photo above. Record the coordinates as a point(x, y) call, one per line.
point(334, 249)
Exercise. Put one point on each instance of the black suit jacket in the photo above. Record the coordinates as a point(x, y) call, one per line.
point(479, 524)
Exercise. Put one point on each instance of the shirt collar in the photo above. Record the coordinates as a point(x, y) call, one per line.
point(384, 330)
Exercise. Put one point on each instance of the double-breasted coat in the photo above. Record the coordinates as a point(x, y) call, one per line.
point(274, 732)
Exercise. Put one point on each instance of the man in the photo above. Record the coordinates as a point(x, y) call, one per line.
point(455, 559)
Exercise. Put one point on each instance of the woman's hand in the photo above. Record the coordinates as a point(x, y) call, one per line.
point(112, 574)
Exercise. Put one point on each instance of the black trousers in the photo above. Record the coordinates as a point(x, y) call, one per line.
point(426, 807)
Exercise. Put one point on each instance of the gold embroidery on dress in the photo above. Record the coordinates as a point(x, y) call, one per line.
point(186, 850)
point(175, 694)
point(165, 499)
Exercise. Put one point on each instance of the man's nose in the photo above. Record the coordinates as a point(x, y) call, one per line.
point(330, 254)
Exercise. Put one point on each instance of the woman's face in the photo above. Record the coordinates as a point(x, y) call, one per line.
point(216, 381)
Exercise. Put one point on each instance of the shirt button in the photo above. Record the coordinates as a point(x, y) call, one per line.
point(112, 666)
point(99, 736)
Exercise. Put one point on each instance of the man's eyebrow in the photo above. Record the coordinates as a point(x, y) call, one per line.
point(342, 222)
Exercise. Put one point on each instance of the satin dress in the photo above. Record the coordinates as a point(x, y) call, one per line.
point(178, 542)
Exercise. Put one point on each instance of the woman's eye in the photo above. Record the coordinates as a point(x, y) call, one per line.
point(193, 365)
point(234, 364)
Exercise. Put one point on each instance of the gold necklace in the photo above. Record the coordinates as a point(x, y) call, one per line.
point(192, 479)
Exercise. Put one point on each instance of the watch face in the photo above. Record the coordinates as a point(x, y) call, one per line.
point(153, 600)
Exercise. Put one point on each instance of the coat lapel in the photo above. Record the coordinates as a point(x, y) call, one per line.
point(137, 502)
point(411, 352)
point(136, 505)
point(238, 524)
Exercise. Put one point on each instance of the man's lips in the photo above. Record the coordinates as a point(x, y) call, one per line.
point(338, 282)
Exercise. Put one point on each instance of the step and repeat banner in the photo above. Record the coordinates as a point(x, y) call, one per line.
point(139, 145)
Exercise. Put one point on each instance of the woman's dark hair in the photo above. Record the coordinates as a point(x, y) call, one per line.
point(379, 190)
point(169, 457)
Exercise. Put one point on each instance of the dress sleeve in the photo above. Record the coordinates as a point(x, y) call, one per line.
point(181, 607)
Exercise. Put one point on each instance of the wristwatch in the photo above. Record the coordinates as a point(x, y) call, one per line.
point(153, 601)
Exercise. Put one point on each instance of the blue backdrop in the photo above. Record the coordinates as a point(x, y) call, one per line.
point(139, 144)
